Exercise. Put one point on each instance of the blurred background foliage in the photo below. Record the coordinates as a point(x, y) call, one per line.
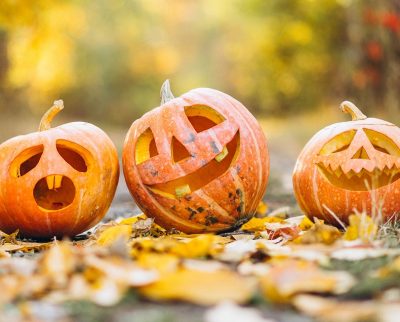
point(107, 59)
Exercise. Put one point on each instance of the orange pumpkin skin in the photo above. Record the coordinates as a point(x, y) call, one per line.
point(348, 167)
point(217, 195)
point(66, 191)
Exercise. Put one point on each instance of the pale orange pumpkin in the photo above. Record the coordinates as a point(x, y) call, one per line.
point(58, 181)
point(198, 162)
point(350, 166)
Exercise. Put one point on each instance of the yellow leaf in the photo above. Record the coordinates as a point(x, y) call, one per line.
point(58, 263)
point(319, 233)
point(110, 235)
point(163, 263)
point(197, 247)
point(306, 223)
point(294, 277)
point(361, 227)
point(132, 220)
point(262, 208)
point(200, 287)
point(258, 224)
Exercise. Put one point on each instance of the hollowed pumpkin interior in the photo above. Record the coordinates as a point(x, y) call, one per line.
point(54, 192)
point(364, 180)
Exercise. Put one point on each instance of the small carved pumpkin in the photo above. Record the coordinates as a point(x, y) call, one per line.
point(350, 166)
point(56, 182)
point(198, 162)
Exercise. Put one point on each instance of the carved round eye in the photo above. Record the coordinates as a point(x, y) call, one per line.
point(339, 143)
point(74, 154)
point(26, 161)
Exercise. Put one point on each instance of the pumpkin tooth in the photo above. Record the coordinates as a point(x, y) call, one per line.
point(50, 182)
point(338, 172)
point(349, 174)
point(222, 154)
point(57, 181)
point(182, 191)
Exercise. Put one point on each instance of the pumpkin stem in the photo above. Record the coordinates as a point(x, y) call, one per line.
point(50, 114)
point(165, 93)
point(354, 111)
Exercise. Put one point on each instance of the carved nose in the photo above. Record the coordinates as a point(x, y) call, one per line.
point(361, 154)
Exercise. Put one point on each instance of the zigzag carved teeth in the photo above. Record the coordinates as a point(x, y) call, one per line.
point(381, 166)
point(326, 164)
point(349, 174)
point(338, 172)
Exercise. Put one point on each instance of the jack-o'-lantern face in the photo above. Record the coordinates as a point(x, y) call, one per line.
point(58, 181)
point(205, 151)
point(190, 163)
point(360, 160)
point(350, 166)
point(66, 164)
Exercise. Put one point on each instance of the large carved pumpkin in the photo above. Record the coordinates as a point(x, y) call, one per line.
point(350, 166)
point(58, 181)
point(198, 162)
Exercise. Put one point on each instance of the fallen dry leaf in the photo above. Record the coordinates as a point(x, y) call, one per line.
point(361, 227)
point(319, 233)
point(291, 277)
point(200, 287)
point(111, 234)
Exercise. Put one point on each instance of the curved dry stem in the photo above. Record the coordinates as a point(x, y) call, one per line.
point(165, 93)
point(354, 111)
point(45, 122)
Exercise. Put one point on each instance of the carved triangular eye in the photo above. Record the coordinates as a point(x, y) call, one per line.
point(339, 143)
point(146, 147)
point(26, 161)
point(203, 117)
point(72, 154)
point(382, 143)
point(361, 154)
point(178, 150)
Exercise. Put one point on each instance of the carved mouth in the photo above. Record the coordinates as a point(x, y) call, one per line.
point(362, 181)
point(54, 192)
point(202, 176)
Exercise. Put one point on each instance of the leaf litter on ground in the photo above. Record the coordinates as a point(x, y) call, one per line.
point(292, 262)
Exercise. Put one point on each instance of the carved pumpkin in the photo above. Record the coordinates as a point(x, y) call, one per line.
point(198, 162)
point(56, 182)
point(350, 166)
